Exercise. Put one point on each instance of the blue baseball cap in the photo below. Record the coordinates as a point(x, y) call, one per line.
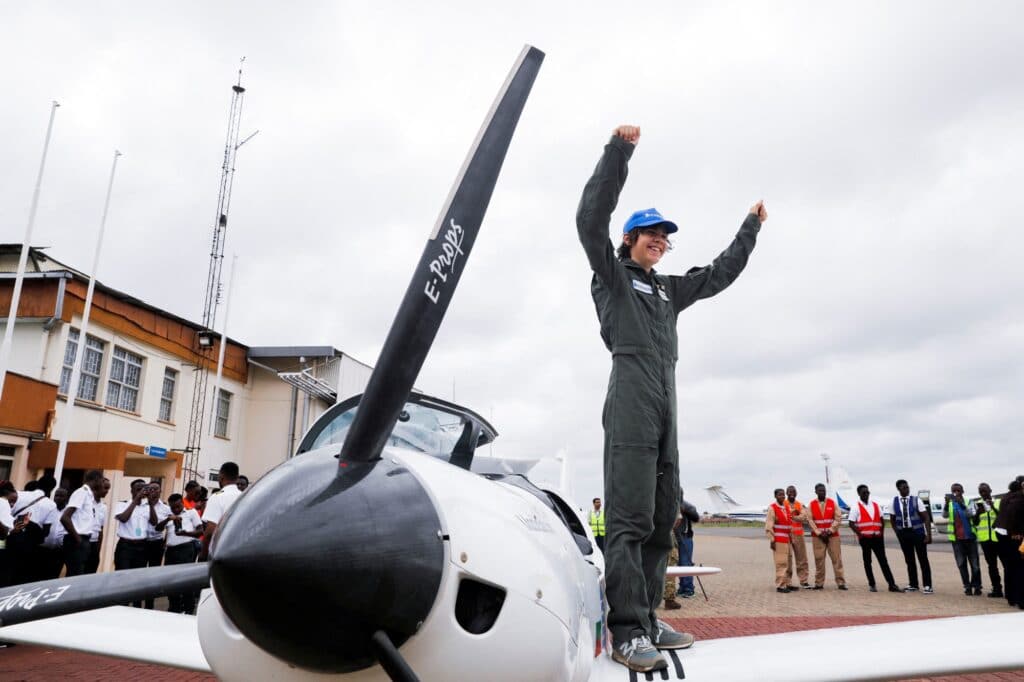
point(647, 218)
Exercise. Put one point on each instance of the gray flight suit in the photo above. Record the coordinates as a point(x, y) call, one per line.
point(638, 314)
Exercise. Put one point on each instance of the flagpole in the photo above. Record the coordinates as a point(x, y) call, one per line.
point(26, 245)
point(76, 367)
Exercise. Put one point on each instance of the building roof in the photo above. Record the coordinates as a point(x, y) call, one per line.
point(41, 264)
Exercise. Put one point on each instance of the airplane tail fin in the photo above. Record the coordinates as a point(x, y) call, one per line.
point(721, 501)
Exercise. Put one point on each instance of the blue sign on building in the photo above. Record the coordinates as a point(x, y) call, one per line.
point(155, 451)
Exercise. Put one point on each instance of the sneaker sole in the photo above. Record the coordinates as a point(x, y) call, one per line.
point(685, 645)
point(660, 664)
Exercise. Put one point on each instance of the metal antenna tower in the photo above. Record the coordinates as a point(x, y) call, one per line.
point(212, 297)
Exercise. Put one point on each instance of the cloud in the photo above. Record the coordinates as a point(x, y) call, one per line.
point(878, 319)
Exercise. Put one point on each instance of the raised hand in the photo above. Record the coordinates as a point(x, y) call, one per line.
point(628, 133)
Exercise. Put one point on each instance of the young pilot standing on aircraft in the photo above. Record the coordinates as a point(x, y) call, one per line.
point(637, 309)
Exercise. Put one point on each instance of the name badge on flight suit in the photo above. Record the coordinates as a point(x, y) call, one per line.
point(662, 293)
point(642, 286)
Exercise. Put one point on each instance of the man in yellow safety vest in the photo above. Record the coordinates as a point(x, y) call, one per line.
point(597, 523)
point(987, 509)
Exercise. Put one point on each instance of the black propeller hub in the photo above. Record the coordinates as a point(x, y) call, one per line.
point(313, 560)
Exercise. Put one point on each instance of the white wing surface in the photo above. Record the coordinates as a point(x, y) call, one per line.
point(137, 634)
point(864, 652)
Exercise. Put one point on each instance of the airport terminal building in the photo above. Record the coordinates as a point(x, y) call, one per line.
point(135, 399)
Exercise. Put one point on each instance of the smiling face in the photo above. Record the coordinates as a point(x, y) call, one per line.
point(647, 245)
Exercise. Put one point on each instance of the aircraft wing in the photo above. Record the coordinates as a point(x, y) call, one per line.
point(863, 652)
point(137, 634)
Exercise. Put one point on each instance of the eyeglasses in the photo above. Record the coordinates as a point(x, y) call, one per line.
point(656, 235)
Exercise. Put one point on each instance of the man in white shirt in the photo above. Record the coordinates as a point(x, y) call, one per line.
point(183, 527)
point(219, 504)
point(867, 523)
point(33, 508)
point(158, 512)
point(92, 564)
point(78, 518)
point(912, 522)
point(52, 554)
point(133, 518)
point(7, 493)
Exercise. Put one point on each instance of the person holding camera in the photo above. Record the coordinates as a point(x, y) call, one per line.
point(984, 528)
point(960, 531)
point(132, 527)
point(183, 527)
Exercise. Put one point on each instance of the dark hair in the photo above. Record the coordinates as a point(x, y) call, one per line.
point(241, 476)
point(47, 483)
point(817, 485)
point(596, 499)
point(191, 484)
point(31, 485)
point(229, 469)
point(174, 498)
point(138, 480)
point(624, 248)
point(861, 487)
point(93, 475)
point(956, 485)
point(779, 490)
point(6, 488)
point(902, 481)
point(1014, 486)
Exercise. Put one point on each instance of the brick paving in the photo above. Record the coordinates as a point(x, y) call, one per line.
point(742, 602)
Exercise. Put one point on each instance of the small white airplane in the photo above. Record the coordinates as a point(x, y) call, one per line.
point(722, 504)
point(377, 553)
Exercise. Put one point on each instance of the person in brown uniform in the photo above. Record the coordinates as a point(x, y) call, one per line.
point(778, 527)
point(825, 519)
point(797, 545)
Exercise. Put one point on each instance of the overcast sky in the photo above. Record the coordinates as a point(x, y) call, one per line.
point(879, 319)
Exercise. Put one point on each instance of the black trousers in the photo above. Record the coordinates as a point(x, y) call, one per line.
point(600, 542)
point(51, 561)
point(912, 542)
point(184, 553)
point(1013, 567)
point(130, 554)
point(991, 552)
point(154, 557)
point(876, 545)
point(92, 563)
point(76, 554)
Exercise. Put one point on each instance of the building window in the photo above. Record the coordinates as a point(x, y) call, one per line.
point(6, 461)
point(89, 379)
point(222, 414)
point(167, 394)
point(125, 377)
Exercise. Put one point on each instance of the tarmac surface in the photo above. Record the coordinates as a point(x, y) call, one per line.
point(741, 601)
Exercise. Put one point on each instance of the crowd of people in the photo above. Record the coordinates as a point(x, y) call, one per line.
point(48, 531)
point(987, 526)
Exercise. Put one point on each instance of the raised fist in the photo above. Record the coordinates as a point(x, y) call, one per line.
point(760, 211)
point(628, 133)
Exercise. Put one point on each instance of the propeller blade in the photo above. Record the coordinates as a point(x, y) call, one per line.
point(49, 598)
point(440, 267)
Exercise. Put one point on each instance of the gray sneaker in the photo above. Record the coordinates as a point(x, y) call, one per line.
point(638, 654)
point(667, 638)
